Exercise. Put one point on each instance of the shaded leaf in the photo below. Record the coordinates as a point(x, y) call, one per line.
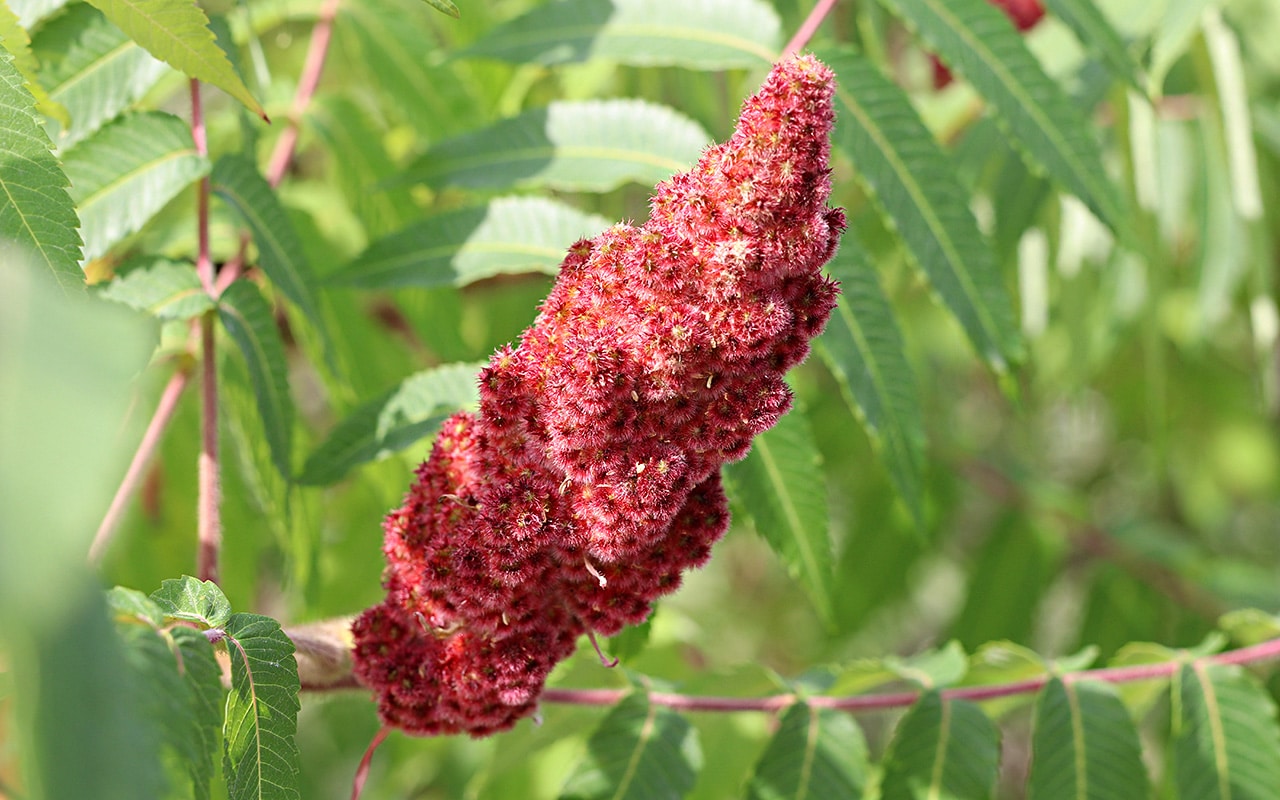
point(914, 182)
point(280, 252)
point(125, 602)
point(590, 146)
point(632, 640)
point(508, 235)
point(780, 486)
point(944, 666)
point(1226, 743)
point(393, 421)
point(37, 213)
point(126, 172)
point(177, 32)
point(248, 319)
point(639, 751)
point(942, 748)
point(161, 287)
point(260, 755)
point(194, 600)
point(92, 69)
point(700, 34)
point(816, 754)
point(1085, 745)
point(1005, 583)
point(1097, 34)
point(863, 349)
point(978, 41)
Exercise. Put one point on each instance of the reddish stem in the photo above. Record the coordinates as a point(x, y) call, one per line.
point(141, 458)
point(204, 263)
point(209, 523)
point(809, 27)
point(312, 68)
point(362, 773)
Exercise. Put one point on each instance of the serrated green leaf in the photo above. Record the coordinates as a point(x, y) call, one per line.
point(92, 69)
point(978, 41)
point(700, 34)
point(37, 213)
point(1097, 34)
point(942, 748)
point(194, 600)
point(589, 146)
point(248, 319)
point(1226, 742)
point(161, 287)
point(1085, 745)
point(393, 421)
point(125, 173)
point(177, 32)
point(780, 486)
point(281, 255)
point(14, 38)
point(261, 756)
point(133, 603)
point(199, 724)
point(863, 349)
point(914, 182)
point(639, 751)
point(816, 754)
point(944, 666)
point(508, 235)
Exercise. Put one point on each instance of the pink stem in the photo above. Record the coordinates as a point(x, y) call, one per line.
point(204, 263)
point(809, 27)
point(362, 772)
point(312, 68)
point(141, 458)
point(209, 523)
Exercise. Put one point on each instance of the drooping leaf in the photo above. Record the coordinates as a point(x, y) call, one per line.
point(507, 235)
point(281, 255)
point(590, 146)
point(37, 213)
point(177, 32)
point(92, 69)
point(1096, 33)
point(1085, 745)
point(639, 751)
point(978, 41)
point(247, 318)
point(193, 600)
point(125, 173)
point(780, 485)
point(914, 182)
point(942, 748)
point(1226, 742)
point(392, 421)
point(699, 34)
point(161, 287)
point(816, 753)
point(260, 759)
point(863, 349)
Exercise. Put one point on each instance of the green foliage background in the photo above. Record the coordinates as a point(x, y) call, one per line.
point(1044, 416)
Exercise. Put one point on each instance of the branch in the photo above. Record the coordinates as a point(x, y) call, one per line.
point(312, 68)
point(809, 27)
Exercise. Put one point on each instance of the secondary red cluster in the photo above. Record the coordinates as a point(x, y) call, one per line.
point(1024, 14)
point(589, 480)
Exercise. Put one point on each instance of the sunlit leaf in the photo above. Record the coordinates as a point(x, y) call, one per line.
point(942, 748)
point(591, 146)
point(193, 600)
point(930, 669)
point(816, 753)
point(260, 755)
point(508, 235)
point(1085, 745)
point(161, 287)
point(125, 173)
point(700, 34)
point(1226, 742)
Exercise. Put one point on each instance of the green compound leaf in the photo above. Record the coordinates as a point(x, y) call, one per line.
point(92, 69)
point(248, 319)
point(508, 235)
point(161, 287)
point(36, 212)
point(1096, 33)
point(816, 753)
point(125, 173)
point(194, 600)
point(978, 41)
point(393, 421)
point(280, 252)
point(1085, 745)
point(177, 32)
point(640, 751)
point(781, 488)
point(1226, 743)
point(260, 757)
point(942, 748)
point(589, 146)
point(864, 351)
point(14, 39)
point(699, 34)
point(915, 184)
